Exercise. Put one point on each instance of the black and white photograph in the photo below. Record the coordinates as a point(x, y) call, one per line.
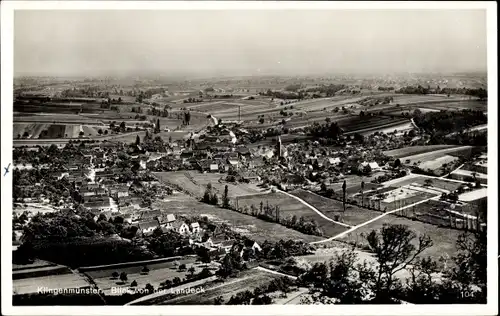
point(263, 154)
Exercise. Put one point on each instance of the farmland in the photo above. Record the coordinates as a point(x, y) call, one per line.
point(416, 150)
point(429, 156)
point(180, 204)
point(195, 183)
point(159, 272)
point(247, 280)
point(370, 124)
point(353, 215)
point(444, 239)
point(420, 180)
point(289, 207)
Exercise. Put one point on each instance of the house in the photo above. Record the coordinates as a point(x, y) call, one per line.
point(250, 177)
point(373, 166)
point(195, 228)
point(214, 167)
point(180, 227)
point(332, 161)
point(168, 221)
point(234, 164)
point(147, 227)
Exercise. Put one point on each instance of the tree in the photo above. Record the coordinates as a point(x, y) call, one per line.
point(214, 199)
point(191, 270)
point(262, 300)
point(137, 140)
point(176, 280)
point(123, 277)
point(133, 284)
point(99, 131)
point(344, 187)
point(81, 133)
point(397, 163)
point(225, 197)
point(218, 300)
point(362, 193)
point(122, 126)
point(115, 275)
point(182, 267)
point(208, 194)
point(394, 249)
point(343, 281)
point(157, 127)
point(427, 182)
point(149, 288)
point(145, 270)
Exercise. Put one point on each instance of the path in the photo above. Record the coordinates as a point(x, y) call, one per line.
point(442, 177)
point(313, 208)
point(165, 292)
point(275, 272)
point(370, 221)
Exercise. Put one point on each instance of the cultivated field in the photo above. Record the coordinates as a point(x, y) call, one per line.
point(181, 204)
point(366, 124)
point(420, 180)
point(354, 215)
point(289, 207)
point(416, 150)
point(444, 239)
point(59, 281)
point(247, 280)
point(159, 272)
point(430, 156)
point(195, 183)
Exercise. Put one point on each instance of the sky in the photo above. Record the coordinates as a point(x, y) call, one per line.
point(278, 42)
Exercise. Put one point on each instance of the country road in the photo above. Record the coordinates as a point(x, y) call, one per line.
point(370, 221)
point(313, 208)
point(275, 272)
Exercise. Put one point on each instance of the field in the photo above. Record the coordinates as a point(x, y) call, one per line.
point(60, 281)
point(444, 240)
point(195, 183)
point(180, 204)
point(247, 280)
point(420, 180)
point(356, 124)
point(52, 131)
point(416, 150)
point(159, 272)
point(437, 163)
point(354, 215)
point(430, 156)
point(289, 207)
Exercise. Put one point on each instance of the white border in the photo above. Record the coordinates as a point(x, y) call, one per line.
point(7, 14)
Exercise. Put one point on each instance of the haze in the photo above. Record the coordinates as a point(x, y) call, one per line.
point(214, 43)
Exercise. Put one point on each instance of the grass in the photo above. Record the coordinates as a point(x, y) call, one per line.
point(289, 207)
point(421, 180)
point(196, 183)
point(181, 204)
point(248, 280)
point(159, 272)
point(444, 239)
point(354, 215)
point(415, 150)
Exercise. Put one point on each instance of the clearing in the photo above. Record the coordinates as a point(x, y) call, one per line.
point(354, 215)
point(260, 230)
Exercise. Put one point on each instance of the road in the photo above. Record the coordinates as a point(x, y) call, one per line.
point(275, 272)
point(371, 221)
point(179, 289)
point(313, 208)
